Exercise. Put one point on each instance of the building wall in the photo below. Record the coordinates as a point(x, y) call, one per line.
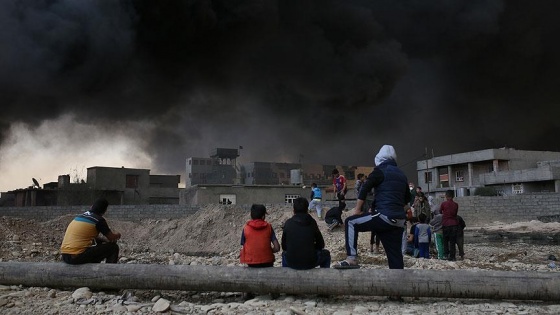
point(113, 178)
point(476, 210)
point(115, 212)
point(200, 195)
point(479, 211)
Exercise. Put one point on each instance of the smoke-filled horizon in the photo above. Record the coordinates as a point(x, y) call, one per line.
point(147, 84)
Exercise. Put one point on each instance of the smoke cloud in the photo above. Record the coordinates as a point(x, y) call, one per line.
point(147, 84)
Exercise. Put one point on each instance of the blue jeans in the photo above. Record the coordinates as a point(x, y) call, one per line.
point(323, 259)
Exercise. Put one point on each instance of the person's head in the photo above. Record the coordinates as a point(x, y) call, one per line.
point(422, 218)
point(411, 185)
point(361, 176)
point(418, 189)
point(100, 206)
point(335, 173)
point(387, 152)
point(301, 205)
point(313, 185)
point(449, 194)
point(258, 211)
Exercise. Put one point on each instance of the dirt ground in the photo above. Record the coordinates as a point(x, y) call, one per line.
point(215, 231)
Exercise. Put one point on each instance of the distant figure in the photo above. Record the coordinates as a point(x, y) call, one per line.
point(421, 206)
point(82, 241)
point(302, 242)
point(333, 217)
point(258, 240)
point(339, 185)
point(449, 210)
point(422, 237)
point(391, 195)
point(412, 193)
point(411, 248)
point(461, 237)
point(437, 230)
point(359, 181)
point(316, 200)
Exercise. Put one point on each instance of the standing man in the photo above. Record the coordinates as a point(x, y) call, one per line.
point(450, 223)
point(388, 222)
point(82, 243)
point(339, 186)
point(412, 193)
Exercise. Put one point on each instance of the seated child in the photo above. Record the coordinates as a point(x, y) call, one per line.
point(258, 240)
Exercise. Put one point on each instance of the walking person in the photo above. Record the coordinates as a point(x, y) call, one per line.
point(316, 200)
point(339, 186)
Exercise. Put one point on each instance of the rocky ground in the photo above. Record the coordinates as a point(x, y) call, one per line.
point(211, 237)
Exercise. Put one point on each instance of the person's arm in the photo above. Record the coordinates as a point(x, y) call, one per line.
point(274, 241)
point(374, 178)
point(284, 248)
point(113, 237)
point(275, 246)
point(103, 228)
point(319, 241)
point(243, 237)
point(343, 191)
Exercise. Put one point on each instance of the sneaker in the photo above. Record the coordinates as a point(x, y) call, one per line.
point(333, 225)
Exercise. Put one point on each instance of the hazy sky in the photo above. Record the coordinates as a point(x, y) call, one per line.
point(146, 84)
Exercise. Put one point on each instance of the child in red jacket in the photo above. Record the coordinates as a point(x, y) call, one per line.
point(258, 240)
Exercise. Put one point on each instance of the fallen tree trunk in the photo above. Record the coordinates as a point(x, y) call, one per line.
point(480, 284)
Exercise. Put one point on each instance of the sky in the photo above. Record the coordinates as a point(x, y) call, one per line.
point(147, 84)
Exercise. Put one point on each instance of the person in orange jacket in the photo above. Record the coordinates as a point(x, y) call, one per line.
point(258, 240)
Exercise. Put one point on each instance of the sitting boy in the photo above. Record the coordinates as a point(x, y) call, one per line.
point(256, 239)
point(302, 242)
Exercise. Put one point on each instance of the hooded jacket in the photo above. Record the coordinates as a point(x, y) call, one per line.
point(301, 239)
point(256, 248)
point(390, 183)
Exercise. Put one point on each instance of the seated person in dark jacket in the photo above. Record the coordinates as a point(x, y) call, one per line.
point(333, 217)
point(302, 242)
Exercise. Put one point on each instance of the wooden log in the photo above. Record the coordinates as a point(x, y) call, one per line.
point(478, 284)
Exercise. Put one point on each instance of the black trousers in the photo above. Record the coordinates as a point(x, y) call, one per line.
point(95, 254)
point(449, 241)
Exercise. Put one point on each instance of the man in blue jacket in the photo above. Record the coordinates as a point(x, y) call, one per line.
point(391, 195)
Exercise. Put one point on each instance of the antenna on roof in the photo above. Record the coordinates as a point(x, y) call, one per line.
point(35, 183)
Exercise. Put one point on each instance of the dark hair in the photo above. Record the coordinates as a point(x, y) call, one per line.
point(301, 205)
point(100, 206)
point(335, 171)
point(422, 218)
point(449, 193)
point(360, 176)
point(258, 211)
point(313, 185)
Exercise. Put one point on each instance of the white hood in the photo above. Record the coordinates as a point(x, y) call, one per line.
point(387, 152)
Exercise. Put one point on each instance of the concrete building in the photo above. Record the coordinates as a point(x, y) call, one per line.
point(508, 170)
point(134, 186)
point(218, 179)
point(120, 186)
point(221, 169)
